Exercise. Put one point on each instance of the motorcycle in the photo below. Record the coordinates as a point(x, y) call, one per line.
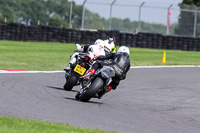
point(96, 85)
point(83, 63)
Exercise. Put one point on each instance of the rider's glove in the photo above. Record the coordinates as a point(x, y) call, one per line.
point(100, 58)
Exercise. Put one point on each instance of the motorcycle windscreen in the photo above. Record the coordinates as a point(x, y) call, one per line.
point(79, 69)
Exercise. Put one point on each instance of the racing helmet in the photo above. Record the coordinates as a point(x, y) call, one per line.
point(111, 39)
point(123, 49)
point(110, 44)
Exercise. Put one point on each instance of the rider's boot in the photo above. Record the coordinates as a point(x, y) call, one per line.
point(72, 62)
point(107, 89)
point(89, 74)
point(68, 68)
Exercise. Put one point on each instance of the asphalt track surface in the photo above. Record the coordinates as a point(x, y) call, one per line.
point(150, 100)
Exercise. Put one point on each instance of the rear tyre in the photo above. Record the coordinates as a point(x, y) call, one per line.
point(71, 82)
point(92, 90)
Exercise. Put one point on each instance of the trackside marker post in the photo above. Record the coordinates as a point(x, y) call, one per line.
point(164, 57)
point(38, 22)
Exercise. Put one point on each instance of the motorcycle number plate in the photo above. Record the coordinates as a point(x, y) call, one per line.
point(79, 69)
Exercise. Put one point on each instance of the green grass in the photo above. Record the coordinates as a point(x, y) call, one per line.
point(16, 125)
point(55, 56)
point(34, 55)
point(153, 57)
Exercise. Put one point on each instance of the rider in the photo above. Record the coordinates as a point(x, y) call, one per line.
point(108, 45)
point(120, 62)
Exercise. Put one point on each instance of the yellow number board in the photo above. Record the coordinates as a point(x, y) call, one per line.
point(79, 69)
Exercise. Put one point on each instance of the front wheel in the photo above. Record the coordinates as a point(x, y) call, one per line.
point(77, 95)
point(92, 90)
point(71, 82)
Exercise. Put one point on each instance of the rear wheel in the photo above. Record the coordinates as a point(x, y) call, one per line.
point(92, 90)
point(71, 82)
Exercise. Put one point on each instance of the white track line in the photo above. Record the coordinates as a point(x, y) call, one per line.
point(133, 67)
point(176, 66)
point(31, 71)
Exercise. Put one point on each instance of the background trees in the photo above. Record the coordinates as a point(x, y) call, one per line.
point(56, 13)
point(186, 19)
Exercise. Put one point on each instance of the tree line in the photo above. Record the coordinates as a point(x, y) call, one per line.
point(56, 13)
point(186, 19)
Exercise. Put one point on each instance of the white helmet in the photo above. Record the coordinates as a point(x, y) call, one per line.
point(123, 49)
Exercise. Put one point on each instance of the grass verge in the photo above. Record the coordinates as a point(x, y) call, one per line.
point(55, 56)
point(16, 125)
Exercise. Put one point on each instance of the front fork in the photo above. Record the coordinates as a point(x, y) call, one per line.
point(85, 84)
point(108, 82)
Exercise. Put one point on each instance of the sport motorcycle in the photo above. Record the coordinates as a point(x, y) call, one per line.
point(97, 85)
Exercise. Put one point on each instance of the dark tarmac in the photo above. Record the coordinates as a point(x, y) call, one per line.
point(150, 100)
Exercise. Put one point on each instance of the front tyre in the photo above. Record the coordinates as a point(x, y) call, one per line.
point(71, 82)
point(77, 95)
point(92, 90)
